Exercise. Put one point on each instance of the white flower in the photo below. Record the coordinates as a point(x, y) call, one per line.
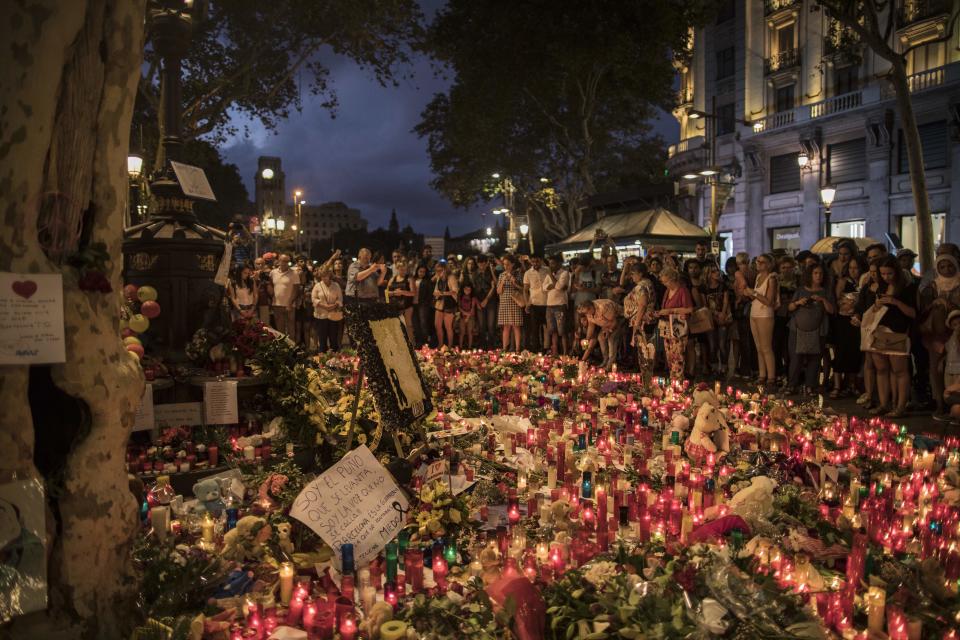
point(599, 573)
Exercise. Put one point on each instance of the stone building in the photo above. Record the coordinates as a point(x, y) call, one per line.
point(320, 222)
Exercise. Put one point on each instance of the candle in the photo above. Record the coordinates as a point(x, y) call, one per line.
point(393, 630)
point(160, 519)
point(392, 556)
point(309, 614)
point(206, 528)
point(876, 599)
point(286, 582)
point(348, 627)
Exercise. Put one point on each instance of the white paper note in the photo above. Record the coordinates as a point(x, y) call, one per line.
point(31, 318)
point(220, 402)
point(355, 501)
point(178, 414)
point(144, 420)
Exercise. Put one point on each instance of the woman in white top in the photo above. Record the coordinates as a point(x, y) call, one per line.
point(765, 297)
point(327, 298)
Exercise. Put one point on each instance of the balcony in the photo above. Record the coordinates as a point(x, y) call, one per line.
point(926, 79)
point(773, 6)
point(685, 97)
point(687, 155)
point(782, 61)
point(836, 104)
point(914, 11)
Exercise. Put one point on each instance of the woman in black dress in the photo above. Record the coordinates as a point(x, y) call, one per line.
point(847, 356)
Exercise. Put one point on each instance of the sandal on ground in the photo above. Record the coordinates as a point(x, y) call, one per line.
point(880, 411)
point(896, 413)
point(864, 399)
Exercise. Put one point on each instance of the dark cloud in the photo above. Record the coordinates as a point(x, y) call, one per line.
point(367, 156)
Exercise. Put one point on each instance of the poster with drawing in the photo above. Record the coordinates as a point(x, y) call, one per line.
point(23, 559)
point(389, 364)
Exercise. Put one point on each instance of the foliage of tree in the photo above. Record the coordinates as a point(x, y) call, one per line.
point(874, 23)
point(556, 89)
point(253, 59)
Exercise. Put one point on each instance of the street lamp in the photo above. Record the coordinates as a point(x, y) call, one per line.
point(827, 194)
point(524, 228)
point(803, 159)
point(134, 165)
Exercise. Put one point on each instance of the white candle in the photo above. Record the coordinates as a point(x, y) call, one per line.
point(876, 606)
point(248, 452)
point(160, 518)
point(206, 528)
point(286, 582)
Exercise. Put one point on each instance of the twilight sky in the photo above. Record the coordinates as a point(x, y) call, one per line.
point(368, 156)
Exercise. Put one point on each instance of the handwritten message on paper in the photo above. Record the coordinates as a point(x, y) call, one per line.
point(220, 402)
point(178, 414)
point(144, 419)
point(31, 318)
point(355, 501)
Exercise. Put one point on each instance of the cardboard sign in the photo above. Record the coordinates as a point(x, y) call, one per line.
point(436, 469)
point(223, 271)
point(389, 363)
point(220, 402)
point(23, 538)
point(178, 414)
point(31, 318)
point(193, 181)
point(144, 419)
point(355, 501)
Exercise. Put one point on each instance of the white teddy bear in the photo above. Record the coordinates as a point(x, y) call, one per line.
point(709, 433)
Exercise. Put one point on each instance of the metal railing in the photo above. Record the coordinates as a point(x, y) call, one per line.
point(783, 60)
point(836, 104)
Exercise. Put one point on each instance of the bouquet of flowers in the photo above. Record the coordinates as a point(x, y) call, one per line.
point(441, 513)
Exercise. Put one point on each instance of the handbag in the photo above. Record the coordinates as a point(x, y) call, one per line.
point(701, 321)
point(808, 342)
point(673, 327)
point(891, 341)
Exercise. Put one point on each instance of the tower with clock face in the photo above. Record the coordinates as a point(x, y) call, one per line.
point(269, 187)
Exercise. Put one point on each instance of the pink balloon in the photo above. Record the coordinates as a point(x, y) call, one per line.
point(136, 348)
point(150, 308)
point(130, 291)
point(126, 333)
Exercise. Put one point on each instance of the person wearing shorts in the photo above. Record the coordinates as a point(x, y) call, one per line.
point(555, 286)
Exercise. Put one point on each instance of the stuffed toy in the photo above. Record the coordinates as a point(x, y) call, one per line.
point(207, 492)
point(558, 515)
point(378, 615)
point(704, 394)
point(755, 501)
point(245, 541)
point(283, 537)
point(709, 434)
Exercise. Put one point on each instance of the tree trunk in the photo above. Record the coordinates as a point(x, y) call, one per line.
point(918, 175)
point(65, 118)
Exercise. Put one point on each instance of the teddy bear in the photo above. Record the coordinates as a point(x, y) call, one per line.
point(207, 492)
point(704, 394)
point(709, 434)
point(245, 541)
point(558, 515)
point(380, 613)
point(755, 501)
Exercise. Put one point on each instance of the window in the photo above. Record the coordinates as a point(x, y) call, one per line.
point(846, 79)
point(784, 173)
point(908, 230)
point(847, 161)
point(725, 63)
point(726, 11)
point(785, 38)
point(726, 119)
point(849, 229)
point(785, 239)
point(933, 140)
point(783, 98)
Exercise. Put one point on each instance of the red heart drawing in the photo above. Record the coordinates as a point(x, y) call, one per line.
point(25, 288)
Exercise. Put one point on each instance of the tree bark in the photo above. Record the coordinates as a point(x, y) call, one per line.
point(65, 116)
point(918, 174)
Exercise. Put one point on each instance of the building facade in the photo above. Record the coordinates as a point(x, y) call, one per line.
point(782, 101)
point(320, 222)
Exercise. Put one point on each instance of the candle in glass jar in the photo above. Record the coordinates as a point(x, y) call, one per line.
point(206, 529)
point(348, 627)
point(876, 599)
point(286, 582)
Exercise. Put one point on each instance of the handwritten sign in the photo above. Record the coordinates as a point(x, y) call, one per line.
point(193, 181)
point(437, 469)
point(144, 418)
point(220, 402)
point(178, 414)
point(355, 501)
point(31, 318)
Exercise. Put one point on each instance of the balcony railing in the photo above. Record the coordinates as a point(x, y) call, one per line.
point(926, 79)
point(775, 121)
point(916, 10)
point(836, 104)
point(772, 6)
point(783, 60)
point(685, 96)
point(696, 142)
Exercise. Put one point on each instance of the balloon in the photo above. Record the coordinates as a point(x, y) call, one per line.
point(139, 323)
point(134, 355)
point(130, 291)
point(127, 332)
point(137, 349)
point(150, 308)
point(124, 326)
point(146, 293)
point(132, 340)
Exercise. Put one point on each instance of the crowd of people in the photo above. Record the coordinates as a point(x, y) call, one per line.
point(860, 323)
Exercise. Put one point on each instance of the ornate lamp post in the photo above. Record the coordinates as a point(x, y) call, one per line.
point(827, 194)
point(172, 251)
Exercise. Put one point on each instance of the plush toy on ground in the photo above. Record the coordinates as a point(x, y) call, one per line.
point(207, 492)
point(709, 435)
point(245, 541)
